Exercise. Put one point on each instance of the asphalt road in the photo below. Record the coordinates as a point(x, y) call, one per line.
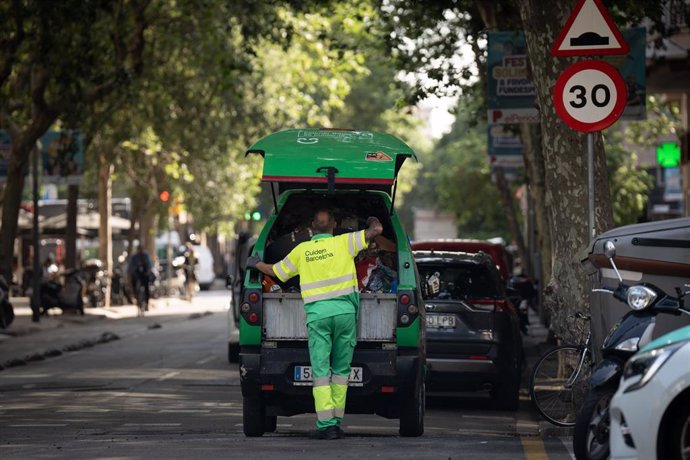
point(166, 390)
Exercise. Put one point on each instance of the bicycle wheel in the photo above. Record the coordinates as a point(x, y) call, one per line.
point(558, 386)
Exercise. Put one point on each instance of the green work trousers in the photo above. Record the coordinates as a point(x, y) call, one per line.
point(331, 345)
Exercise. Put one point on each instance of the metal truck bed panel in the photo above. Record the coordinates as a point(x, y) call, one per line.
point(284, 317)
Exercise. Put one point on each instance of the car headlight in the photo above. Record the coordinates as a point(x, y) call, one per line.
point(647, 364)
point(640, 297)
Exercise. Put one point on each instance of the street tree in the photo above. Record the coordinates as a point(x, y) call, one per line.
point(55, 59)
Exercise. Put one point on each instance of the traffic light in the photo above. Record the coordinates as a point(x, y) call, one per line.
point(668, 154)
point(164, 196)
point(253, 215)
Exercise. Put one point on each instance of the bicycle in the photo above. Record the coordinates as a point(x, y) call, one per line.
point(560, 380)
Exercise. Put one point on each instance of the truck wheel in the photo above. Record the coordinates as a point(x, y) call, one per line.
point(412, 414)
point(270, 423)
point(253, 417)
point(233, 352)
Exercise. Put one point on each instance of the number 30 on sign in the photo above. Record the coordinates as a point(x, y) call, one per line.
point(589, 96)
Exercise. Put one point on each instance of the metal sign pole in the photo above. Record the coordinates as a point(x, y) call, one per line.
point(36, 278)
point(590, 184)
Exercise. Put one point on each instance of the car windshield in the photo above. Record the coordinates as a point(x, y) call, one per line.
point(457, 282)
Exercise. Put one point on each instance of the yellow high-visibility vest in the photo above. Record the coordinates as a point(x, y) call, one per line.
point(324, 264)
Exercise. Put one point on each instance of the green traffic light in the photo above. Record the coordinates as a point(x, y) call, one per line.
point(247, 216)
point(668, 155)
point(256, 215)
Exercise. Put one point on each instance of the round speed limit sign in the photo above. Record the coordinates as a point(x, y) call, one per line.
point(590, 95)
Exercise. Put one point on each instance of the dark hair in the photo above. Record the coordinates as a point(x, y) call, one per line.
point(323, 228)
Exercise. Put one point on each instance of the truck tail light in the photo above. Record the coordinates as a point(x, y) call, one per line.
point(251, 308)
point(407, 307)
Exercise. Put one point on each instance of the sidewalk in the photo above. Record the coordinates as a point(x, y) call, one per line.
point(25, 341)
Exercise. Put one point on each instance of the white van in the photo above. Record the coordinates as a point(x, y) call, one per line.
point(204, 267)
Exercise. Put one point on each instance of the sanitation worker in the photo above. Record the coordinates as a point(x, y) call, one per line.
point(328, 282)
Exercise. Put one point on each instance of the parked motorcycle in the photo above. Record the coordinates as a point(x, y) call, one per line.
point(95, 282)
point(634, 331)
point(54, 294)
point(6, 310)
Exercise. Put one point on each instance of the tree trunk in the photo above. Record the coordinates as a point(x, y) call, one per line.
point(71, 227)
point(565, 171)
point(534, 162)
point(23, 144)
point(511, 214)
point(105, 232)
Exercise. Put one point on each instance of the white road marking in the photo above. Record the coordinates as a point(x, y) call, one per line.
point(167, 376)
point(84, 410)
point(36, 425)
point(206, 359)
point(183, 411)
point(152, 424)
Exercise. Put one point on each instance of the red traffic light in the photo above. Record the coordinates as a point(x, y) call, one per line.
point(164, 196)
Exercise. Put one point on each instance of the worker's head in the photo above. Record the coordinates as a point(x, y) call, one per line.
point(323, 222)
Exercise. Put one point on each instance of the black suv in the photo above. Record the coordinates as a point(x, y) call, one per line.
point(473, 334)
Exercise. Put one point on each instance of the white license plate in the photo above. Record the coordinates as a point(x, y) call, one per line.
point(303, 374)
point(440, 321)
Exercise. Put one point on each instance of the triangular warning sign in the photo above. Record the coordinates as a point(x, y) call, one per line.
point(589, 31)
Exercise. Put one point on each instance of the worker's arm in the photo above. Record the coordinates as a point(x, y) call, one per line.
point(385, 244)
point(283, 270)
point(374, 228)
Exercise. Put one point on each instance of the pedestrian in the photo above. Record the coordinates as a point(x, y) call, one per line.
point(328, 283)
point(139, 271)
point(189, 275)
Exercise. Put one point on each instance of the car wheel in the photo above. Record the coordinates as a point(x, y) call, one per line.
point(204, 286)
point(270, 423)
point(233, 352)
point(412, 413)
point(506, 392)
point(253, 417)
point(677, 441)
point(592, 426)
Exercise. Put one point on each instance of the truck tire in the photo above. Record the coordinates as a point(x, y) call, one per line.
point(412, 413)
point(253, 417)
point(233, 352)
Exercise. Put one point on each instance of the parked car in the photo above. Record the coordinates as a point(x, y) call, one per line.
point(496, 251)
point(473, 335)
point(203, 270)
point(650, 412)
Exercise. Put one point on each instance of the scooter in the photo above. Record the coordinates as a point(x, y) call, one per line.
point(53, 294)
point(634, 331)
point(95, 282)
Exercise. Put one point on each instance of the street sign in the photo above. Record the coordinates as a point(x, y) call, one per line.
point(589, 31)
point(589, 96)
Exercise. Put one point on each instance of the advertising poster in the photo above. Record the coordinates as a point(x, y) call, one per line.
point(511, 92)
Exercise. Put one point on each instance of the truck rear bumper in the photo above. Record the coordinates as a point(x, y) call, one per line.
point(388, 376)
